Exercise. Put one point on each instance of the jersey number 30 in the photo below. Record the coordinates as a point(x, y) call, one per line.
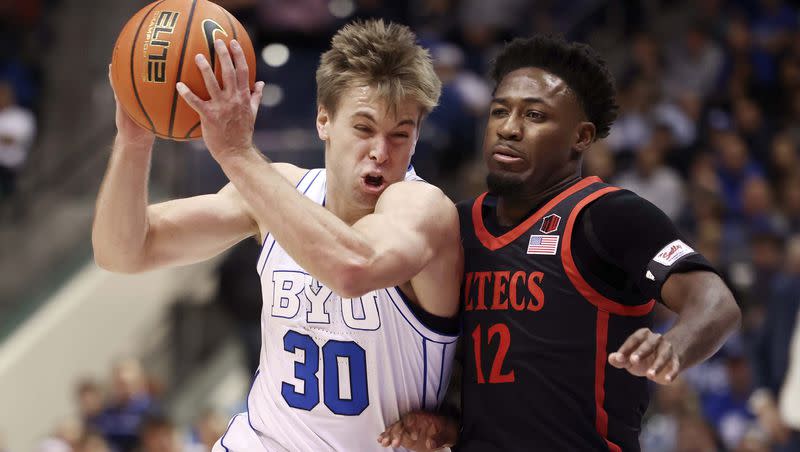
point(333, 353)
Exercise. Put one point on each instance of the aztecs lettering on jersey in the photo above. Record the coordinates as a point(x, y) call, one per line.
point(293, 289)
point(503, 291)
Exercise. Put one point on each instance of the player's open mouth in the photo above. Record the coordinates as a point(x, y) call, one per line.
point(374, 182)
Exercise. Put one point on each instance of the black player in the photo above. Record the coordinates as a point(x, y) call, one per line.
point(561, 276)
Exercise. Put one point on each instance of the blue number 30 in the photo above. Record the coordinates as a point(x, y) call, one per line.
point(308, 368)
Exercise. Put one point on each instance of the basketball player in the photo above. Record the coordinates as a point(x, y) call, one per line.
point(361, 261)
point(562, 274)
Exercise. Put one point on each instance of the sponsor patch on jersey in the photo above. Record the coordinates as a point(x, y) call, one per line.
point(550, 223)
point(543, 244)
point(672, 252)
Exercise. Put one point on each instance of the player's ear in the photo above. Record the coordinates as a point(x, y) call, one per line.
point(323, 123)
point(584, 136)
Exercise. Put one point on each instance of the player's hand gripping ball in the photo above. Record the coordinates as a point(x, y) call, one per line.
point(157, 48)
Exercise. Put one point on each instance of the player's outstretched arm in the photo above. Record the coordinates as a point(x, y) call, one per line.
point(707, 315)
point(128, 236)
point(420, 431)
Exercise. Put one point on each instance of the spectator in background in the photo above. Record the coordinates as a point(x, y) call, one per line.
point(727, 410)
point(89, 396)
point(130, 403)
point(734, 169)
point(92, 442)
point(206, 429)
point(158, 434)
point(694, 64)
point(654, 181)
point(784, 161)
point(17, 130)
point(754, 129)
point(790, 203)
point(696, 435)
point(771, 353)
point(449, 134)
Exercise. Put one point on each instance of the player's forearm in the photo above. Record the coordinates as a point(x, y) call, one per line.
point(709, 316)
point(120, 224)
point(319, 241)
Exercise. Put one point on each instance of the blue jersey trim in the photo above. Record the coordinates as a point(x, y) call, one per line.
point(424, 372)
point(222, 440)
point(441, 373)
point(455, 337)
point(247, 401)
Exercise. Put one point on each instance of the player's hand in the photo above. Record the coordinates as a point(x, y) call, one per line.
point(420, 431)
point(228, 117)
point(127, 129)
point(648, 354)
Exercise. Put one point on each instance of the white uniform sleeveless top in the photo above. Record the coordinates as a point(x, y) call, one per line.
point(334, 372)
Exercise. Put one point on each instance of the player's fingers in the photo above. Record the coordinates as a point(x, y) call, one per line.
point(664, 356)
point(255, 97)
point(207, 72)
point(633, 341)
point(646, 348)
point(242, 71)
point(226, 65)
point(191, 98)
point(618, 360)
point(674, 369)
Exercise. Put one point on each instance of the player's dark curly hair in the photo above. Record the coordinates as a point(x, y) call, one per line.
point(583, 70)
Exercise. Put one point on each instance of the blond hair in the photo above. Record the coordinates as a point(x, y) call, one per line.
point(382, 56)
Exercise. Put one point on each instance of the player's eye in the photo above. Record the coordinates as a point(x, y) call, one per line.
point(535, 115)
point(498, 112)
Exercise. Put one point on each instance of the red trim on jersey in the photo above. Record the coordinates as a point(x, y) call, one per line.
point(493, 243)
point(594, 297)
point(601, 417)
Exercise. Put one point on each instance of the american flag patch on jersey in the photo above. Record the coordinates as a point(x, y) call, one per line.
point(543, 244)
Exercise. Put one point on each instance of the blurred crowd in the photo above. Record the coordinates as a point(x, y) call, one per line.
point(709, 131)
point(22, 44)
point(125, 414)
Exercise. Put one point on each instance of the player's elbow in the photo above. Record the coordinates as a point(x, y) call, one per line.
point(117, 265)
point(732, 314)
point(351, 278)
point(115, 261)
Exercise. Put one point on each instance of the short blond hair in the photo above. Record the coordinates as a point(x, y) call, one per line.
point(384, 56)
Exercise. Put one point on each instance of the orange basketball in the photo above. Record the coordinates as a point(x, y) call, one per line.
point(156, 49)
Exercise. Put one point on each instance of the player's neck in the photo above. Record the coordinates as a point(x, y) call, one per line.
point(345, 211)
point(514, 207)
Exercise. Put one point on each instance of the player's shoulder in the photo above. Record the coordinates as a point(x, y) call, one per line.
point(619, 200)
point(418, 193)
point(291, 173)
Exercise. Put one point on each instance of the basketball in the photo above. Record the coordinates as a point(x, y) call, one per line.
point(156, 49)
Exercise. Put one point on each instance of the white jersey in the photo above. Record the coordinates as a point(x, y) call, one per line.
point(334, 372)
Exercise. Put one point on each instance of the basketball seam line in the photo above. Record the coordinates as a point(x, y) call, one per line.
point(133, 77)
point(235, 36)
point(180, 69)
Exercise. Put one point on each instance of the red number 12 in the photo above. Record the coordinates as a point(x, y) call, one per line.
point(497, 365)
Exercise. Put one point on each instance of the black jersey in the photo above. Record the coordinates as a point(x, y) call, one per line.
point(537, 337)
